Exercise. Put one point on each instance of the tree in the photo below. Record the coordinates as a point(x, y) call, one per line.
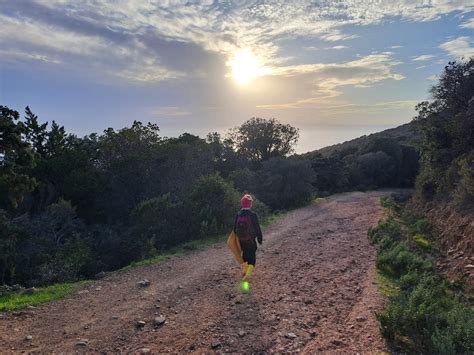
point(446, 124)
point(260, 139)
point(16, 160)
point(36, 134)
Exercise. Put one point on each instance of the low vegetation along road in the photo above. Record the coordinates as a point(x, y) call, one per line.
point(313, 290)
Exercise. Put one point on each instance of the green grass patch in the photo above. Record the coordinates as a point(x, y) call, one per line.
point(44, 294)
point(387, 285)
point(422, 241)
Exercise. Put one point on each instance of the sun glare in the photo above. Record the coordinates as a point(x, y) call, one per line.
point(246, 67)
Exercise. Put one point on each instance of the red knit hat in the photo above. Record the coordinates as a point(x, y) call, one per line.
point(246, 201)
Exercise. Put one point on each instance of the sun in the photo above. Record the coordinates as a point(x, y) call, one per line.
point(246, 67)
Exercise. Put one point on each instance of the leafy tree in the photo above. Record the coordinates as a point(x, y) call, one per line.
point(259, 139)
point(16, 160)
point(35, 133)
point(447, 127)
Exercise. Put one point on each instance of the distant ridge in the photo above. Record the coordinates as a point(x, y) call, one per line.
point(404, 134)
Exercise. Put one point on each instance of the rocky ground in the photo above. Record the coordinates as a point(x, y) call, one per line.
point(313, 290)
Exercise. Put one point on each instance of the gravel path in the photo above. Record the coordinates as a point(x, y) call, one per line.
point(313, 290)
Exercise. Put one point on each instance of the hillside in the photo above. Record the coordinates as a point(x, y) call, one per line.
point(404, 134)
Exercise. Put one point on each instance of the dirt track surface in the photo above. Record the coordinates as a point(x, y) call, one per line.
point(314, 278)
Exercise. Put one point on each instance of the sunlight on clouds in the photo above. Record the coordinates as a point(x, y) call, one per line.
point(422, 58)
point(246, 66)
point(468, 24)
point(459, 47)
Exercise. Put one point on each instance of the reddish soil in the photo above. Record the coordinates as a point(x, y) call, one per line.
point(313, 290)
point(455, 235)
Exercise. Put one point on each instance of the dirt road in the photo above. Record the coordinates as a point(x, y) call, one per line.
point(313, 290)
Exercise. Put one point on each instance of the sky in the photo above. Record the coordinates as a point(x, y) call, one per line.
point(334, 69)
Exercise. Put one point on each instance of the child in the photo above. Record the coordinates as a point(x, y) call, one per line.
point(247, 229)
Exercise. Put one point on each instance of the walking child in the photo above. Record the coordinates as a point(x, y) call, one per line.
point(248, 231)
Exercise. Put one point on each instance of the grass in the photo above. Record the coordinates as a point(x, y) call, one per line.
point(387, 285)
point(42, 295)
point(422, 241)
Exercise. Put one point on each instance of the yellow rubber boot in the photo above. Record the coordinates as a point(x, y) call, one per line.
point(248, 273)
point(244, 267)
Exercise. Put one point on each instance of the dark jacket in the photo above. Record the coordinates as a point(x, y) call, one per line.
point(256, 226)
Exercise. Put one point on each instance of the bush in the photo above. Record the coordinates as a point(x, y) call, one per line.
point(388, 228)
point(285, 183)
point(431, 318)
point(398, 260)
point(464, 192)
point(158, 224)
point(51, 247)
point(424, 315)
point(213, 202)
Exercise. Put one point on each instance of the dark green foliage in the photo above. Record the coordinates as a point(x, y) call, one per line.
point(385, 159)
point(49, 247)
point(131, 193)
point(157, 225)
point(397, 260)
point(259, 139)
point(213, 203)
point(16, 159)
point(330, 174)
point(446, 124)
point(424, 316)
point(285, 183)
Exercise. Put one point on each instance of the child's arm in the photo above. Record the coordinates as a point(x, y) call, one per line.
point(258, 231)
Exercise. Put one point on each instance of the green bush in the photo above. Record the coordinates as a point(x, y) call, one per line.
point(157, 225)
point(213, 202)
point(424, 312)
point(388, 230)
point(398, 260)
point(424, 315)
point(285, 183)
point(464, 192)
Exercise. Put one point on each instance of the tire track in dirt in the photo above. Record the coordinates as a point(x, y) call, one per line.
point(314, 278)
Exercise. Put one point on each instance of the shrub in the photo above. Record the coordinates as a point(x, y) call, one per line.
point(285, 183)
point(213, 202)
point(389, 230)
point(464, 192)
point(398, 260)
point(426, 314)
point(158, 224)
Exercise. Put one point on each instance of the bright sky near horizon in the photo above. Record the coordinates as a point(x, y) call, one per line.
point(334, 69)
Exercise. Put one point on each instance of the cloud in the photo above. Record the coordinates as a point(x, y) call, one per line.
point(324, 80)
point(339, 47)
point(468, 24)
point(459, 47)
point(422, 58)
point(337, 35)
point(395, 47)
point(379, 107)
point(123, 36)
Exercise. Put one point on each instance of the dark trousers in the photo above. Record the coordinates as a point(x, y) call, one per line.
point(249, 249)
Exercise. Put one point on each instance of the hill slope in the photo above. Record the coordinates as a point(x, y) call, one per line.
point(404, 134)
